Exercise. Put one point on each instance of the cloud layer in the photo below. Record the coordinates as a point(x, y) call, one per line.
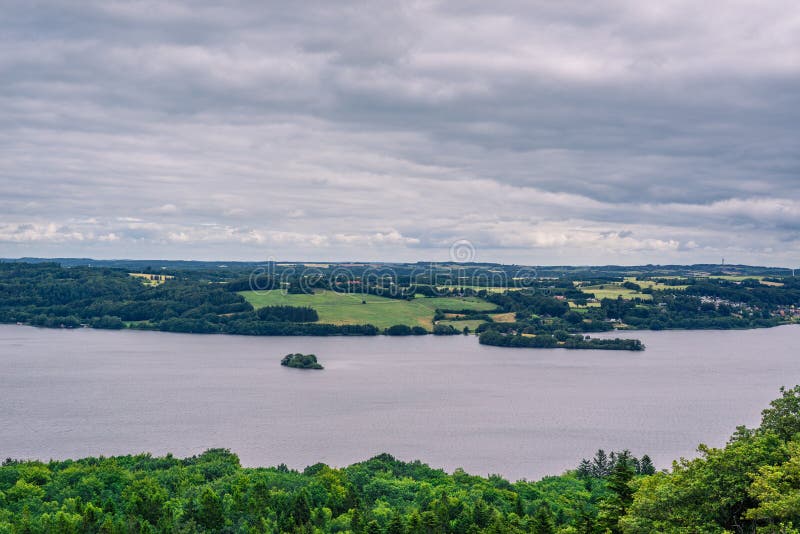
point(542, 132)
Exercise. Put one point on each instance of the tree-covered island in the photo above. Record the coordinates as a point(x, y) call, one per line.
point(301, 361)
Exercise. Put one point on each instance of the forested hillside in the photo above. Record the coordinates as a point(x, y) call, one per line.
point(46, 294)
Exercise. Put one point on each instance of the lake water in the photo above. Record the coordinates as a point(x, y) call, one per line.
point(523, 413)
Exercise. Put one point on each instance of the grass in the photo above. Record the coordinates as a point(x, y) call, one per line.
point(339, 308)
point(151, 279)
point(612, 291)
point(509, 317)
point(656, 286)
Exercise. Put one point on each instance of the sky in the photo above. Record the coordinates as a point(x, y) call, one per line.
point(531, 132)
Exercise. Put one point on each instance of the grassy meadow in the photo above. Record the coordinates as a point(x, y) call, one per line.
point(340, 308)
point(612, 291)
point(655, 286)
point(149, 279)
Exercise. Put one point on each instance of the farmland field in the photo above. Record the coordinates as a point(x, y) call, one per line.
point(149, 279)
point(612, 291)
point(341, 308)
point(656, 286)
point(509, 317)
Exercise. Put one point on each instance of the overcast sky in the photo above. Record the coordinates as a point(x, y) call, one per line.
point(542, 132)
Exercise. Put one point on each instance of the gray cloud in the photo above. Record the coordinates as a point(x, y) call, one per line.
point(543, 132)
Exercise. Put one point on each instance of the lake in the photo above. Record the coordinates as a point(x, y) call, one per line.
point(522, 413)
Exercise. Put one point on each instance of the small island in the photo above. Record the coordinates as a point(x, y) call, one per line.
point(301, 361)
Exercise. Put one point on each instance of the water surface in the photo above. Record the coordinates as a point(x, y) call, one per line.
point(448, 401)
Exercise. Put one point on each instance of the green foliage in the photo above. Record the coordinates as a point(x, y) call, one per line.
point(289, 314)
point(447, 330)
point(560, 339)
point(301, 361)
point(542, 520)
point(783, 415)
point(620, 496)
point(776, 488)
point(750, 485)
point(213, 493)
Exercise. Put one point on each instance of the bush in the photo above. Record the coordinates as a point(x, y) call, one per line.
point(398, 330)
point(444, 330)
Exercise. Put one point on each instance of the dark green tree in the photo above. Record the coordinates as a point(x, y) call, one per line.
point(301, 508)
point(646, 466)
point(613, 507)
point(542, 520)
point(209, 509)
point(396, 525)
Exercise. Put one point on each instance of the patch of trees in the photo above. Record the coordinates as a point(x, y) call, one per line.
point(261, 328)
point(301, 361)
point(405, 330)
point(589, 322)
point(530, 303)
point(749, 485)
point(447, 330)
point(213, 493)
point(46, 294)
point(291, 314)
point(463, 315)
point(603, 464)
point(750, 292)
point(559, 339)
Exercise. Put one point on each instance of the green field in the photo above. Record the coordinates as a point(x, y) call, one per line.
point(656, 286)
point(340, 308)
point(612, 291)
